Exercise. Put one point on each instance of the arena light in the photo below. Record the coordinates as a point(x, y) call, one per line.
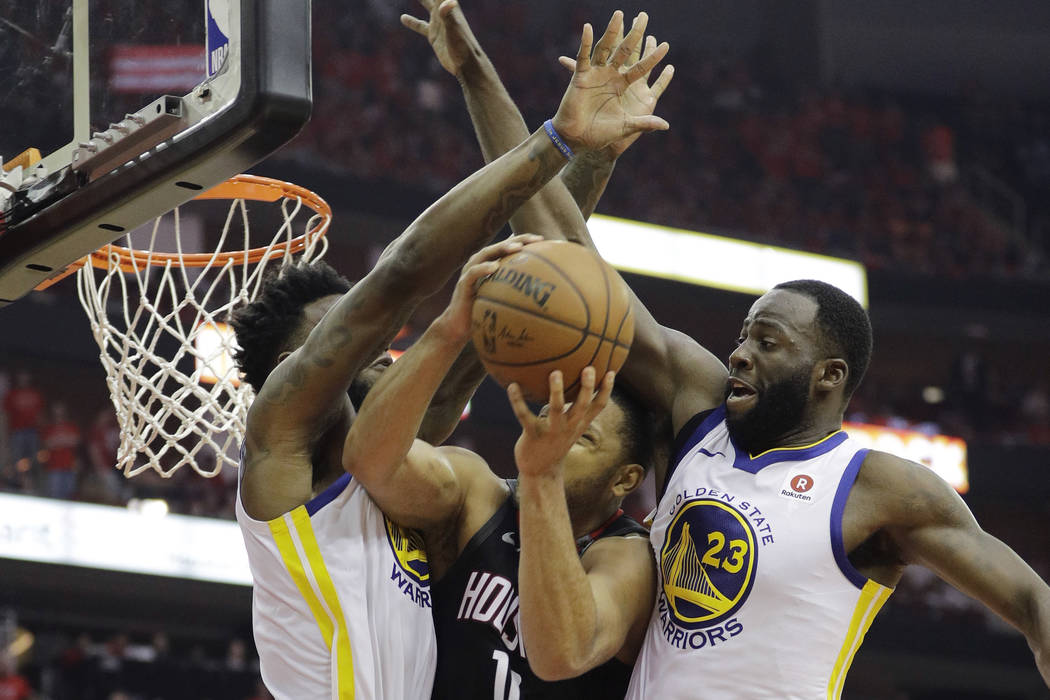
point(118, 539)
point(212, 343)
point(944, 455)
point(717, 261)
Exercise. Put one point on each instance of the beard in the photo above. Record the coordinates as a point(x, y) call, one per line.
point(778, 410)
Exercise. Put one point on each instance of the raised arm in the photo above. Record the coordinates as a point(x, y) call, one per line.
point(552, 212)
point(932, 526)
point(601, 603)
point(304, 393)
point(413, 482)
point(589, 116)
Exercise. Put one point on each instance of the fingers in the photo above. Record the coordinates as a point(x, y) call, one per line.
point(662, 82)
point(650, 46)
point(631, 41)
point(472, 274)
point(637, 53)
point(520, 408)
point(585, 396)
point(644, 66)
point(556, 414)
point(567, 62)
point(447, 7)
point(612, 36)
point(601, 400)
point(646, 123)
point(583, 58)
point(415, 24)
point(504, 248)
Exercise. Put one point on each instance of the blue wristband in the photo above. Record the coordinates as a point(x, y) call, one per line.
point(555, 138)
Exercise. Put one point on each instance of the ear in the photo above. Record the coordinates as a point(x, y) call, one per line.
point(831, 374)
point(628, 478)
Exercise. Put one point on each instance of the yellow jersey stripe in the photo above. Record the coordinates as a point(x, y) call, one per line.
point(795, 448)
point(286, 546)
point(872, 598)
point(343, 654)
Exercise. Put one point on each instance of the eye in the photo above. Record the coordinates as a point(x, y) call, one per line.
point(740, 340)
point(766, 344)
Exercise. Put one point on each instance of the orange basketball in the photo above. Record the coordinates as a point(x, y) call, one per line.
point(552, 305)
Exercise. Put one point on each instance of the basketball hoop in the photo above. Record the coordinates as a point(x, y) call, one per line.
point(166, 348)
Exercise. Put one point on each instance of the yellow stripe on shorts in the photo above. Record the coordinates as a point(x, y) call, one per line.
point(872, 598)
point(326, 610)
point(343, 654)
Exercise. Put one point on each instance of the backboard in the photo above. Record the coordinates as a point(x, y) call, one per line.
point(134, 108)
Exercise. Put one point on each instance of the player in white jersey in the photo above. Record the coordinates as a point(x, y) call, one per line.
point(304, 342)
point(776, 539)
point(773, 527)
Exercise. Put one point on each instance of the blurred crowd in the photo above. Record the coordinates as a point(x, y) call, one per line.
point(911, 183)
point(64, 665)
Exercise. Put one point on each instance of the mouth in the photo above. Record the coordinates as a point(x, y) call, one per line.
point(739, 393)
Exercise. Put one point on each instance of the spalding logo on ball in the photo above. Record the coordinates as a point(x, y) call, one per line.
point(552, 305)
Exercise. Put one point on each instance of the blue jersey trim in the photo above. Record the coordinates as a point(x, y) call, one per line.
point(688, 438)
point(743, 461)
point(328, 495)
point(838, 506)
point(714, 417)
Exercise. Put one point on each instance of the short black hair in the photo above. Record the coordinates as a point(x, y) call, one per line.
point(844, 325)
point(266, 326)
point(638, 434)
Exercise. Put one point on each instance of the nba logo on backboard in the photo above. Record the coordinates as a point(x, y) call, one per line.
point(217, 20)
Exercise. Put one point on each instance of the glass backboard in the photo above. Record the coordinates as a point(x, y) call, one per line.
point(124, 109)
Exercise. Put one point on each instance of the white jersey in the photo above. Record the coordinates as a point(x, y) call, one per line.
point(341, 603)
point(757, 598)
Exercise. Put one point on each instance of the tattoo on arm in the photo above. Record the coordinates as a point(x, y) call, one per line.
point(586, 177)
point(332, 341)
point(548, 163)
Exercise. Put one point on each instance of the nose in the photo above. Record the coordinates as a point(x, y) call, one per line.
point(740, 358)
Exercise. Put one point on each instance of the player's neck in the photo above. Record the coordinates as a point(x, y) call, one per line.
point(585, 523)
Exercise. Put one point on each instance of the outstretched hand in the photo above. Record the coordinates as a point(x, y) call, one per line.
point(592, 113)
point(545, 440)
point(640, 97)
point(448, 33)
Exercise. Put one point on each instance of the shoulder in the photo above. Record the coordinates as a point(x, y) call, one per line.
point(480, 487)
point(904, 493)
point(627, 553)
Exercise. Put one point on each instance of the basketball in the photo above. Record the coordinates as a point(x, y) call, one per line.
point(552, 305)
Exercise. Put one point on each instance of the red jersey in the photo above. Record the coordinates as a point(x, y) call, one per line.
point(24, 408)
point(61, 441)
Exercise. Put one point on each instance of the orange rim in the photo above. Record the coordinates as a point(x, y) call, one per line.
point(250, 187)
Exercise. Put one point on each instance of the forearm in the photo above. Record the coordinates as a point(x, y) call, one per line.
point(1039, 634)
point(586, 178)
point(391, 415)
point(499, 126)
point(459, 385)
point(559, 615)
point(466, 218)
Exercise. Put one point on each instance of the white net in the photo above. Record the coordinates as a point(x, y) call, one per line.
point(159, 318)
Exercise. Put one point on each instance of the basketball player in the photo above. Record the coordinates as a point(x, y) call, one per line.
point(341, 600)
point(760, 451)
point(469, 517)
